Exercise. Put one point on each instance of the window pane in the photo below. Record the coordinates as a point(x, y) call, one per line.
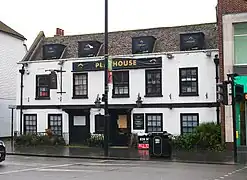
point(153, 82)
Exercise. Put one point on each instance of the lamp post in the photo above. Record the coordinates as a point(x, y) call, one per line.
point(97, 102)
point(139, 101)
point(106, 129)
point(21, 71)
point(217, 62)
point(231, 78)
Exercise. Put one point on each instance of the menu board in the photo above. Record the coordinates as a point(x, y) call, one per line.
point(138, 121)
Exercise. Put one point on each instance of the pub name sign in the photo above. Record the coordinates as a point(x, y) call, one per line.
point(117, 64)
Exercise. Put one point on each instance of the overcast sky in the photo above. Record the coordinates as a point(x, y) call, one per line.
point(28, 17)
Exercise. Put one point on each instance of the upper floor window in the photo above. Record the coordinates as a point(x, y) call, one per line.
point(42, 87)
point(240, 43)
point(153, 83)
point(80, 85)
point(55, 124)
point(188, 78)
point(120, 84)
point(189, 121)
point(30, 123)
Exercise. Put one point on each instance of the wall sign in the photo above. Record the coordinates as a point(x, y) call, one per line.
point(88, 48)
point(138, 121)
point(143, 44)
point(117, 64)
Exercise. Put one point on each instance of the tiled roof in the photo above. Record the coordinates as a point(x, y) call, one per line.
point(6, 29)
point(120, 42)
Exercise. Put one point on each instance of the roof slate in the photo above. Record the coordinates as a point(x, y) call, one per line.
point(120, 42)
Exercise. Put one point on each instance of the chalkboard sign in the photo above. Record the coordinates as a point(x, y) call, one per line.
point(138, 121)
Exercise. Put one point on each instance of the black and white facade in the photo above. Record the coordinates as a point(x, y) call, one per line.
point(177, 90)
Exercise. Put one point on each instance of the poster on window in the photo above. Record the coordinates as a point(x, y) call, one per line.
point(138, 121)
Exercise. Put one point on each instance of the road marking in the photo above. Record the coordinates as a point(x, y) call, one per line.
point(231, 173)
point(69, 170)
point(33, 169)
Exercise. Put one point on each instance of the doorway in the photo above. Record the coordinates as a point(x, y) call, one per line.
point(119, 127)
point(79, 127)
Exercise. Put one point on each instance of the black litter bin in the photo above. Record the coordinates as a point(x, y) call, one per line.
point(160, 145)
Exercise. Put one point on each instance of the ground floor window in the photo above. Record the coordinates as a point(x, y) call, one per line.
point(30, 123)
point(55, 124)
point(154, 122)
point(189, 121)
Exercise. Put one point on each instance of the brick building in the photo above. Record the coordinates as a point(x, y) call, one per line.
point(232, 32)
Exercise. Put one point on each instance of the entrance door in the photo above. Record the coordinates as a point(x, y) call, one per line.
point(79, 128)
point(119, 128)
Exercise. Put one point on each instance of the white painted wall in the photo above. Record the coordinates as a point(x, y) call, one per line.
point(170, 84)
point(171, 118)
point(42, 120)
point(12, 51)
point(228, 45)
point(170, 80)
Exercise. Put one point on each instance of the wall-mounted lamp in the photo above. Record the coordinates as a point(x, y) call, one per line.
point(169, 56)
point(208, 53)
point(216, 60)
point(170, 96)
point(206, 95)
point(139, 100)
point(97, 102)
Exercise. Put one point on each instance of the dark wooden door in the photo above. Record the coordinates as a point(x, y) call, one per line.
point(79, 128)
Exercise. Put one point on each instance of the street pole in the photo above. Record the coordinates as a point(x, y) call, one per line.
point(233, 117)
point(12, 127)
point(106, 137)
point(216, 61)
point(22, 71)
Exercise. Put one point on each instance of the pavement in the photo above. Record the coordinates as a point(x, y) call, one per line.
point(43, 168)
point(118, 153)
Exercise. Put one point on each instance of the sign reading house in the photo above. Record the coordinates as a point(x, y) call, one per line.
point(88, 48)
point(119, 63)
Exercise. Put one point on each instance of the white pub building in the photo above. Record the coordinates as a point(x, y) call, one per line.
point(171, 70)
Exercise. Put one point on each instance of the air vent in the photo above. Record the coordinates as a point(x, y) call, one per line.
point(191, 41)
point(143, 44)
point(88, 48)
point(53, 51)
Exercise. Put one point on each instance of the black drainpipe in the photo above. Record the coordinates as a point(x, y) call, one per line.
point(216, 62)
point(22, 71)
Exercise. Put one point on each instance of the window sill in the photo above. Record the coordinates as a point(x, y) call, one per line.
point(42, 98)
point(153, 95)
point(121, 96)
point(80, 97)
point(189, 95)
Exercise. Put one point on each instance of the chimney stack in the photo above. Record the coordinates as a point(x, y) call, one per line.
point(59, 32)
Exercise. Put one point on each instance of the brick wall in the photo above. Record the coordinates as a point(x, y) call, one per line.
point(233, 6)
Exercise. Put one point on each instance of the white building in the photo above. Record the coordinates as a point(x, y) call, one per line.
point(12, 50)
point(177, 90)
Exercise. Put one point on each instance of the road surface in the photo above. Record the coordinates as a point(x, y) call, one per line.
point(37, 168)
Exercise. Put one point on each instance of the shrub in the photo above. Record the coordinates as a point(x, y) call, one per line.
point(95, 140)
point(207, 136)
point(35, 140)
